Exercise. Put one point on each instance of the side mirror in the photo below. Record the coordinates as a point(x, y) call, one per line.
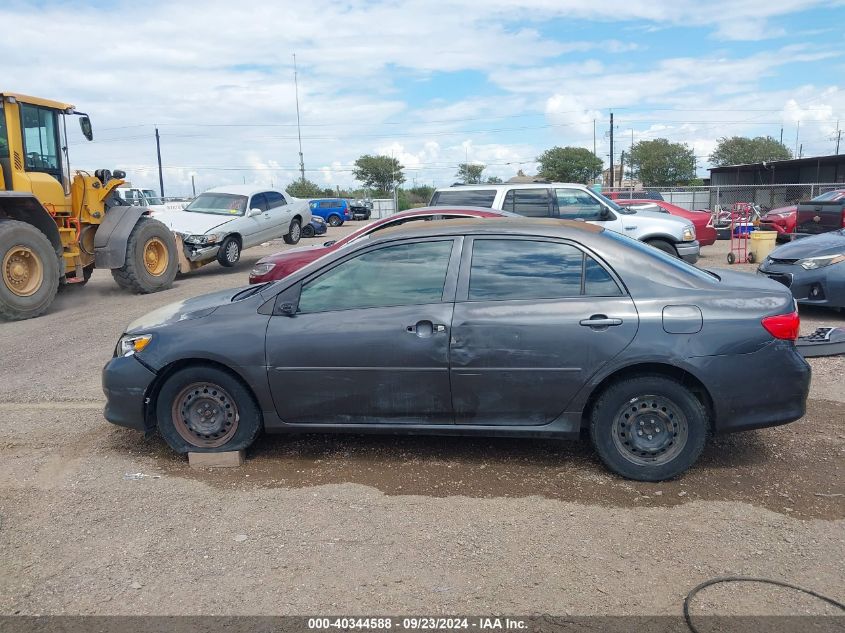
point(605, 213)
point(253, 212)
point(85, 126)
point(287, 301)
point(329, 243)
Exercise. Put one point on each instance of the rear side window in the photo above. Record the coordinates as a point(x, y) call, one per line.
point(577, 204)
point(329, 204)
point(404, 274)
point(274, 199)
point(468, 197)
point(532, 203)
point(504, 270)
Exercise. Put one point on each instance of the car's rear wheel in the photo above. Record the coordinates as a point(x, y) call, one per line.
point(334, 220)
point(648, 428)
point(205, 409)
point(294, 232)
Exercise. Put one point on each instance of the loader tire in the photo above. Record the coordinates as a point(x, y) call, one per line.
point(151, 260)
point(29, 271)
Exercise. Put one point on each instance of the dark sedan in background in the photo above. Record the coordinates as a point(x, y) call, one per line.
point(813, 268)
point(474, 327)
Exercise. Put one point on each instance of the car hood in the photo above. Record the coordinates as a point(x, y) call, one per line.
point(815, 246)
point(194, 308)
point(664, 217)
point(190, 223)
point(784, 210)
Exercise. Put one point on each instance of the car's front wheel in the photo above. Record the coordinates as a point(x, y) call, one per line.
point(663, 245)
point(230, 252)
point(294, 232)
point(648, 428)
point(204, 409)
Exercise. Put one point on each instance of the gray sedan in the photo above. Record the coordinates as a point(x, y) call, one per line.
point(515, 328)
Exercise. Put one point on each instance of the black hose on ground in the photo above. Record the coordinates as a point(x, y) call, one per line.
point(768, 581)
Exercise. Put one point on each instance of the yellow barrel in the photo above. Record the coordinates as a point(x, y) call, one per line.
point(762, 243)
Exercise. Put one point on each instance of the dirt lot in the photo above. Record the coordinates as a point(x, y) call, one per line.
point(96, 520)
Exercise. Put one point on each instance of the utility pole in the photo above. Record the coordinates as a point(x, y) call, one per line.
point(611, 150)
point(781, 135)
point(797, 130)
point(838, 136)
point(193, 187)
point(298, 128)
point(622, 167)
point(801, 151)
point(160, 173)
point(594, 139)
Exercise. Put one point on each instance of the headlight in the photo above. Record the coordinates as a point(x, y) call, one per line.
point(261, 269)
point(318, 219)
point(689, 234)
point(201, 239)
point(811, 263)
point(128, 345)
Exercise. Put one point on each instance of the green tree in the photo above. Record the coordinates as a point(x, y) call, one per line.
point(420, 194)
point(470, 173)
point(494, 180)
point(381, 173)
point(739, 150)
point(569, 164)
point(304, 189)
point(659, 163)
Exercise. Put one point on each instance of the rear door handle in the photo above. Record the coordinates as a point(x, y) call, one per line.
point(424, 329)
point(600, 321)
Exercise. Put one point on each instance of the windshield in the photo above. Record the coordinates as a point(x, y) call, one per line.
point(218, 204)
point(830, 195)
point(152, 197)
point(613, 205)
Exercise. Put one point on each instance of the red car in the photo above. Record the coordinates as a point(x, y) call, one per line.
point(280, 265)
point(703, 220)
point(783, 219)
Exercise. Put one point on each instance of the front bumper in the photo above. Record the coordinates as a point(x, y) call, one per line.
point(125, 383)
point(750, 391)
point(820, 287)
point(688, 251)
point(200, 253)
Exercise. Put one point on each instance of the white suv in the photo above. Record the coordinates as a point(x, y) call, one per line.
point(576, 202)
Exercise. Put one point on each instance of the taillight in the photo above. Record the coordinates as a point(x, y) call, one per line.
point(783, 326)
point(843, 219)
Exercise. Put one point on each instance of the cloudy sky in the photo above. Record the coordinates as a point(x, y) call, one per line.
point(433, 84)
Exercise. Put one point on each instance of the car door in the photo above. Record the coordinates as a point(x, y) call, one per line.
point(253, 228)
point(278, 215)
point(576, 204)
point(534, 319)
point(369, 342)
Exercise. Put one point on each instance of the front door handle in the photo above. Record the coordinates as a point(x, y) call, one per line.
point(600, 321)
point(424, 329)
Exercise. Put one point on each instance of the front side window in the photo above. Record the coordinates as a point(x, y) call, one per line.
point(577, 204)
point(507, 270)
point(40, 139)
point(464, 198)
point(532, 203)
point(4, 135)
point(404, 274)
point(152, 197)
point(218, 204)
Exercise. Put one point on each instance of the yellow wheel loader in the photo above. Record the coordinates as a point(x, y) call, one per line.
point(56, 228)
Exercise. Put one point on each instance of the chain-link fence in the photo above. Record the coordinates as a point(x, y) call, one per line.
point(725, 196)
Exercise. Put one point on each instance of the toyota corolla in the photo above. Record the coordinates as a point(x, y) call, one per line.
point(499, 327)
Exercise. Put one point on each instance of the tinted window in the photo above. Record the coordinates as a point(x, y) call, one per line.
point(578, 204)
point(523, 269)
point(328, 204)
point(532, 203)
point(405, 274)
point(465, 197)
point(258, 202)
point(4, 138)
point(274, 199)
point(597, 281)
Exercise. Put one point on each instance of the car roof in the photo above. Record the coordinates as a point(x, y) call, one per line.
point(513, 185)
point(550, 227)
point(241, 190)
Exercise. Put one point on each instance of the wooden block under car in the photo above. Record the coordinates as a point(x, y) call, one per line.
point(229, 459)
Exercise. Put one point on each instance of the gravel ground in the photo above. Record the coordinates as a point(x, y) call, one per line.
point(96, 520)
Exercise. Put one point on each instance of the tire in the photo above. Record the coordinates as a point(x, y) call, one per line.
point(137, 274)
point(308, 230)
point(190, 393)
point(294, 232)
point(29, 271)
point(334, 220)
point(230, 252)
point(663, 245)
point(650, 404)
point(731, 258)
point(750, 258)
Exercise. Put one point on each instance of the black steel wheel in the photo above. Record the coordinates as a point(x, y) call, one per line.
point(206, 409)
point(308, 230)
point(648, 428)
